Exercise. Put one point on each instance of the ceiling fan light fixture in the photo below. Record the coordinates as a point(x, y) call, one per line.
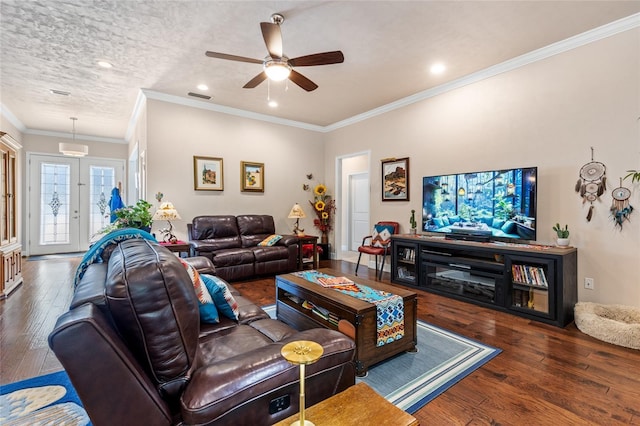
point(277, 70)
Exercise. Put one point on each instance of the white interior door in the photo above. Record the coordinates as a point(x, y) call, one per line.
point(358, 209)
point(68, 201)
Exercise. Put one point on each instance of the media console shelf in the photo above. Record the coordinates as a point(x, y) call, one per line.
point(535, 282)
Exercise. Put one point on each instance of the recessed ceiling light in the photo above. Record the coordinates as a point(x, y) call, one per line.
point(273, 104)
point(104, 64)
point(59, 92)
point(437, 68)
point(203, 87)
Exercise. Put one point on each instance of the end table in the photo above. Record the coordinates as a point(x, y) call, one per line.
point(178, 247)
point(307, 239)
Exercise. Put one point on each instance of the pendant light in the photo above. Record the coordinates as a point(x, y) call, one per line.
point(73, 149)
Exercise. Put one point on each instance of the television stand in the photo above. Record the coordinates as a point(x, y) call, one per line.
point(535, 282)
point(468, 237)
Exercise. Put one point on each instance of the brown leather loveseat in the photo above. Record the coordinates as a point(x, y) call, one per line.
point(231, 242)
point(136, 352)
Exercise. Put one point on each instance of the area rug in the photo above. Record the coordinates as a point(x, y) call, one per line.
point(42, 400)
point(408, 380)
point(411, 380)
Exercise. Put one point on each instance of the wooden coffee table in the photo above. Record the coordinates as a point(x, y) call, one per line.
point(358, 405)
point(360, 315)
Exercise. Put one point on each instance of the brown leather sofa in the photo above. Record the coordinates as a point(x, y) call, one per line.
point(136, 352)
point(231, 242)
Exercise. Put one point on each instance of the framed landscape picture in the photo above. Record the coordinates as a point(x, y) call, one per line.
point(208, 174)
point(251, 177)
point(395, 179)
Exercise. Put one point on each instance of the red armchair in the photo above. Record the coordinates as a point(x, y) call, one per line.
point(379, 243)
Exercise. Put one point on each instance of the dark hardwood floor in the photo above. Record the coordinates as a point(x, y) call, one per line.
point(544, 376)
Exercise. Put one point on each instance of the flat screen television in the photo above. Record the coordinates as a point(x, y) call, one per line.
point(487, 205)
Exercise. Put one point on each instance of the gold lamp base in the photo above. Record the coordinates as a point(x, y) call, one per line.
point(302, 352)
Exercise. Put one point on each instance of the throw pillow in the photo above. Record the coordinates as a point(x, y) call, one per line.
point(509, 227)
point(381, 236)
point(208, 311)
point(497, 223)
point(270, 240)
point(221, 295)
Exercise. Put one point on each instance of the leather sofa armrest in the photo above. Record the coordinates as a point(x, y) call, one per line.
point(112, 386)
point(202, 264)
point(287, 240)
point(218, 388)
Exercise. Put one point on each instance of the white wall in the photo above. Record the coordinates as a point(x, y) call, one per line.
point(176, 133)
point(547, 114)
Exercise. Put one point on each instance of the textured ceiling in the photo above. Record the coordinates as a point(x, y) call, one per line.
point(160, 45)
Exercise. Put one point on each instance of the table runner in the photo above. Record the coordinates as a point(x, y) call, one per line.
point(389, 307)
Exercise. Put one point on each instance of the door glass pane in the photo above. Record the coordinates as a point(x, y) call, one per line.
point(55, 195)
point(101, 181)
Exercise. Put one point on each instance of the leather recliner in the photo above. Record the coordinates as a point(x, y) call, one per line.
point(231, 242)
point(136, 353)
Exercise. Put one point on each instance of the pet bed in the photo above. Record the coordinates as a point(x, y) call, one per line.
point(616, 324)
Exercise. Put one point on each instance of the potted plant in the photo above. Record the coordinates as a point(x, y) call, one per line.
point(563, 235)
point(136, 216)
point(412, 221)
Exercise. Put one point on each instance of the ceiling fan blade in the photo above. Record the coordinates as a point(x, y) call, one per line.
point(302, 81)
point(272, 38)
point(233, 57)
point(326, 58)
point(256, 80)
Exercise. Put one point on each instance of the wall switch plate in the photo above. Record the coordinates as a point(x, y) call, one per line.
point(588, 283)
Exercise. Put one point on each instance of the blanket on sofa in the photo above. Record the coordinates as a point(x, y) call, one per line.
point(94, 254)
point(389, 307)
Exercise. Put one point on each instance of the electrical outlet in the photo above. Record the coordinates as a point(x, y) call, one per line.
point(588, 283)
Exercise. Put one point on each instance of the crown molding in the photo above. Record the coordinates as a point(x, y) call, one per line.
point(12, 118)
point(150, 94)
point(78, 137)
point(608, 30)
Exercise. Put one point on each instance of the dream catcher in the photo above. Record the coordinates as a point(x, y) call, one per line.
point(592, 183)
point(620, 207)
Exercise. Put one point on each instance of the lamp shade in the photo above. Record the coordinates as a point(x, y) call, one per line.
point(296, 212)
point(73, 149)
point(166, 211)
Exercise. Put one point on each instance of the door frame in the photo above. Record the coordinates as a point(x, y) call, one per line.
point(31, 233)
point(339, 179)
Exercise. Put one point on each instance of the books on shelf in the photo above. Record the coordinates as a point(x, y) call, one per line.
point(409, 254)
point(530, 275)
point(334, 281)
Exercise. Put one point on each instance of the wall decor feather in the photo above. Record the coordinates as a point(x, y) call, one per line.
point(592, 183)
point(620, 207)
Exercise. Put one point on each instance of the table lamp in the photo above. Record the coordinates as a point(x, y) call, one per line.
point(302, 352)
point(167, 212)
point(297, 213)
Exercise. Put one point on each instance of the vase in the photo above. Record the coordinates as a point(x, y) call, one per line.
point(324, 238)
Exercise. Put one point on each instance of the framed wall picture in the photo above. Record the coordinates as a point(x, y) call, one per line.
point(208, 174)
point(251, 177)
point(395, 179)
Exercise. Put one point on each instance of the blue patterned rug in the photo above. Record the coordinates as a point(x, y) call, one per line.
point(42, 400)
point(411, 380)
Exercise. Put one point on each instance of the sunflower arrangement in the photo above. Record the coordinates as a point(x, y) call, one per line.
point(324, 207)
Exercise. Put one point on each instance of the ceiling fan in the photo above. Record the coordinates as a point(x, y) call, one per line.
point(276, 66)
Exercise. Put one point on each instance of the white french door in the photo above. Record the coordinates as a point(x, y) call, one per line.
point(68, 201)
